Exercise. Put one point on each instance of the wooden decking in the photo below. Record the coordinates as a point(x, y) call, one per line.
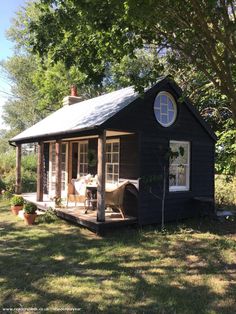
point(77, 215)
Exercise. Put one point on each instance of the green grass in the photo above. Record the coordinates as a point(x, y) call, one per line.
point(191, 268)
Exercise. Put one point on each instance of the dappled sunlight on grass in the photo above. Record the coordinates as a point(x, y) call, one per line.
point(189, 268)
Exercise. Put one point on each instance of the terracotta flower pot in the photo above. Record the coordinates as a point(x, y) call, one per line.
point(30, 218)
point(16, 208)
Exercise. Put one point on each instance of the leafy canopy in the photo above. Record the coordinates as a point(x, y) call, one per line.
point(92, 34)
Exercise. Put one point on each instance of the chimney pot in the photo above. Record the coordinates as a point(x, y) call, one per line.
point(73, 90)
point(73, 98)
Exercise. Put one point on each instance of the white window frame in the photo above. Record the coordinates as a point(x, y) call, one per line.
point(52, 177)
point(168, 95)
point(111, 141)
point(186, 187)
point(79, 156)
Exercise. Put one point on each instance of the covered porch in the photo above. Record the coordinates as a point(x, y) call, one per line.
point(76, 214)
point(110, 158)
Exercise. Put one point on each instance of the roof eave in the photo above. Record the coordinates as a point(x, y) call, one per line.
point(58, 135)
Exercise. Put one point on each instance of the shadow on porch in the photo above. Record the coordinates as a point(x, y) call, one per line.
point(76, 214)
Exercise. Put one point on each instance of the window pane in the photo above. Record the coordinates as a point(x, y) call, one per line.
point(164, 119)
point(116, 169)
point(115, 147)
point(108, 148)
point(182, 175)
point(115, 157)
point(173, 176)
point(112, 161)
point(179, 167)
point(108, 157)
point(170, 105)
point(109, 168)
point(164, 99)
point(109, 177)
point(116, 178)
point(164, 109)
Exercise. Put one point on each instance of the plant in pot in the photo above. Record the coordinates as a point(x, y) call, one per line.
point(17, 203)
point(30, 213)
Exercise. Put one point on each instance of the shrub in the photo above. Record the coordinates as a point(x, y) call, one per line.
point(17, 200)
point(30, 208)
point(225, 190)
point(8, 173)
point(2, 185)
point(7, 195)
point(48, 217)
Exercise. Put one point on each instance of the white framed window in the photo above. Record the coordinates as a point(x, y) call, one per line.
point(165, 109)
point(179, 167)
point(52, 168)
point(112, 160)
point(83, 158)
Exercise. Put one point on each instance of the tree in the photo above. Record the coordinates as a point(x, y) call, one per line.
point(93, 34)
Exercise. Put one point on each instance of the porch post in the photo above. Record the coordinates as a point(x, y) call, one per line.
point(40, 171)
point(58, 168)
point(18, 169)
point(101, 176)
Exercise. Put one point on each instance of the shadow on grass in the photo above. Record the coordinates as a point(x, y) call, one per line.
point(131, 271)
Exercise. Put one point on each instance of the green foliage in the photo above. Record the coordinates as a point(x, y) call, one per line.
point(17, 200)
point(30, 208)
point(2, 185)
point(48, 217)
point(225, 191)
point(226, 152)
point(7, 195)
point(95, 34)
point(8, 172)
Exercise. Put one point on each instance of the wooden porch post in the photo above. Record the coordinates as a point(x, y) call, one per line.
point(101, 177)
point(18, 169)
point(58, 168)
point(40, 171)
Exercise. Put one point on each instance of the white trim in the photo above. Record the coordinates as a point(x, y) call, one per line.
point(187, 186)
point(78, 166)
point(168, 95)
point(112, 141)
point(64, 192)
point(52, 179)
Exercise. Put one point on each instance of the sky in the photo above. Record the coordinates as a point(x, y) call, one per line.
point(7, 12)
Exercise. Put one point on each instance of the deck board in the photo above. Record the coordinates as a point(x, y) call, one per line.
point(77, 215)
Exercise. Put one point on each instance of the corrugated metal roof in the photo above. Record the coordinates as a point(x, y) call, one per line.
point(83, 115)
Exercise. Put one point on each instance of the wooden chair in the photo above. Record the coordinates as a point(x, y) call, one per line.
point(73, 195)
point(115, 198)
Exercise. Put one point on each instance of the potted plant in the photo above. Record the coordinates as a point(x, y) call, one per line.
point(30, 213)
point(17, 203)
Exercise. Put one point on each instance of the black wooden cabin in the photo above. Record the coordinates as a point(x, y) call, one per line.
point(145, 128)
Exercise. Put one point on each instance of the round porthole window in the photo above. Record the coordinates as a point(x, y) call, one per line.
point(165, 109)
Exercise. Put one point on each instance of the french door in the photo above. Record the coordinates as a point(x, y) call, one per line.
point(52, 169)
point(79, 159)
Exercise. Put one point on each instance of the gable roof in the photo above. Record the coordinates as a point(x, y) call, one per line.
point(90, 114)
point(82, 115)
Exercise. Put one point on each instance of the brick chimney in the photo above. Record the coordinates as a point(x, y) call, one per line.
point(73, 98)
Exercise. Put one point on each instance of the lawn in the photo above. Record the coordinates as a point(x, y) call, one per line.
point(191, 268)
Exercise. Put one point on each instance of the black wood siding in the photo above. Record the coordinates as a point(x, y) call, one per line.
point(139, 117)
point(93, 146)
point(129, 157)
